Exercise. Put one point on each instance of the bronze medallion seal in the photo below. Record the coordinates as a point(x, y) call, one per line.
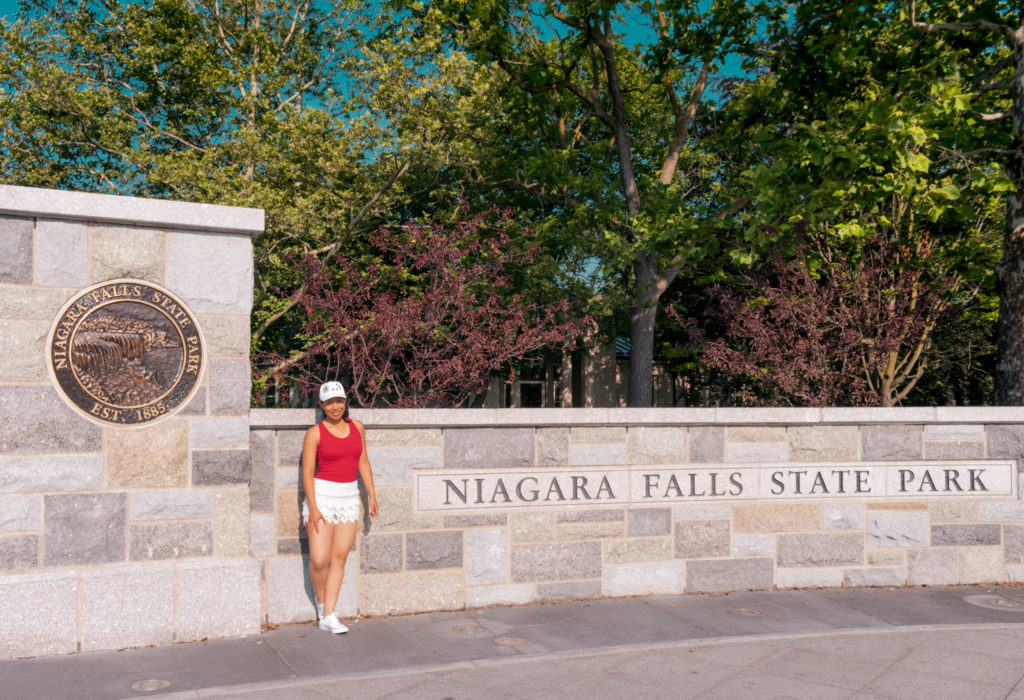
point(126, 352)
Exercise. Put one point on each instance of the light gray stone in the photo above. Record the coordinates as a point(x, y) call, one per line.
point(61, 253)
point(289, 447)
point(19, 552)
point(932, 567)
point(645, 522)
point(964, 535)
point(700, 511)
point(171, 541)
point(127, 606)
point(34, 614)
point(160, 213)
point(290, 596)
point(482, 520)
point(381, 553)
point(596, 455)
point(127, 251)
point(820, 549)
point(701, 539)
point(759, 545)
point(1001, 511)
point(16, 249)
point(196, 406)
point(219, 598)
point(644, 578)
point(824, 443)
point(736, 452)
point(556, 561)
point(35, 419)
point(955, 431)
point(438, 549)
point(604, 515)
point(883, 576)
point(84, 528)
point(707, 444)
point(844, 516)
point(261, 534)
point(552, 447)
point(229, 432)
point(171, 504)
point(23, 349)
point(657, 445)
point(486, 556)
point(489, 447)
point(598, 434)
point(231, 521)
point(508, 594)
point(1005, 441)
point(980, 564)
point(959, 449)
point(890, 442)
point(212, 273)
point(808, 578)
point(230, 386)
point(37, 473)
point(18, 302)
point(1013, 543)
point(1015, 573)
point(716, 575)
point(19, 513)
point(215, 467)
point(570, 590)
point(392, 466)
point(898, 528)
point(226, 335)
point(262, 474)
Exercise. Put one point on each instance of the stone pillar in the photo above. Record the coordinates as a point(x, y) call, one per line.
point(124, 518)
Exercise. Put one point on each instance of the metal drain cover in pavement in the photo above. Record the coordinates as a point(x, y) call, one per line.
point(150, 685)
point(995, 602)
point(748, 612)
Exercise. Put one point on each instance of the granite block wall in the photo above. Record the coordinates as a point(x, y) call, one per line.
point(413, 559)
point(116, 536)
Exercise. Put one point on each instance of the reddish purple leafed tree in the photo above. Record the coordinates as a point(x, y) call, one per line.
point(428, 319)
point(852, 334)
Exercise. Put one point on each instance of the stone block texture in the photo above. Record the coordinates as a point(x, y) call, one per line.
point(84, 528)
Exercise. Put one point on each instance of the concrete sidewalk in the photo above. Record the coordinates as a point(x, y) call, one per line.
point(945, 642)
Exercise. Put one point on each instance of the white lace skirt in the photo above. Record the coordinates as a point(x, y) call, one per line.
point(339, 502)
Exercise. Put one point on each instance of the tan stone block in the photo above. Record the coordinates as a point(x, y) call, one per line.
point(155, 455)
point(289, 514)
point(21, 302)
point(116, 251)
point(824, 443)
point(410, 592)
point(637, 549)
point(886, 557)
point(777, 517)
point(598, 434)
point(899, 505)
point(532, 527)
point(591, 530)
point(954, 512)
point(395, 512)
point(226, 335)
point(231, 521)
point(981, 564)
point(755, 434)
point(414, 437)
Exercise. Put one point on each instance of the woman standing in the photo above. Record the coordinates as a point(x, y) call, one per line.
point(333, 455)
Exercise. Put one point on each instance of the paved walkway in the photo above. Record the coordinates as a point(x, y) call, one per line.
point(960, 642)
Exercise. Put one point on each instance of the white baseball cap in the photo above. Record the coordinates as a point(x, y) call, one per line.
point(330, 390)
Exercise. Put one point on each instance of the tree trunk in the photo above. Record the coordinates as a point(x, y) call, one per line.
point(1010, 365)
point(641, 326)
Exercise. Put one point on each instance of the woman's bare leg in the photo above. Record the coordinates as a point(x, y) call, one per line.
point(320, 557)
point(341, 545)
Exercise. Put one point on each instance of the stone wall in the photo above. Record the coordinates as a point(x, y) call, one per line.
point(412, 558)
point(117, 536)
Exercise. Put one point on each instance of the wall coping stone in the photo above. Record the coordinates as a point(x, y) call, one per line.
point(134, 211)
point(284, 418)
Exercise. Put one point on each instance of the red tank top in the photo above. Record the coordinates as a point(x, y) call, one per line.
point(337, 459)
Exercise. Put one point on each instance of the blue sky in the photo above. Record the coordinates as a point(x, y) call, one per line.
point(8, 8)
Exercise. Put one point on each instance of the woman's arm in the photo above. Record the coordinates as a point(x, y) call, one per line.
point(309, 445)
point(365, 472)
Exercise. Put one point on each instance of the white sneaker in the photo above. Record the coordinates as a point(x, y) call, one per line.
point(331, 624)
